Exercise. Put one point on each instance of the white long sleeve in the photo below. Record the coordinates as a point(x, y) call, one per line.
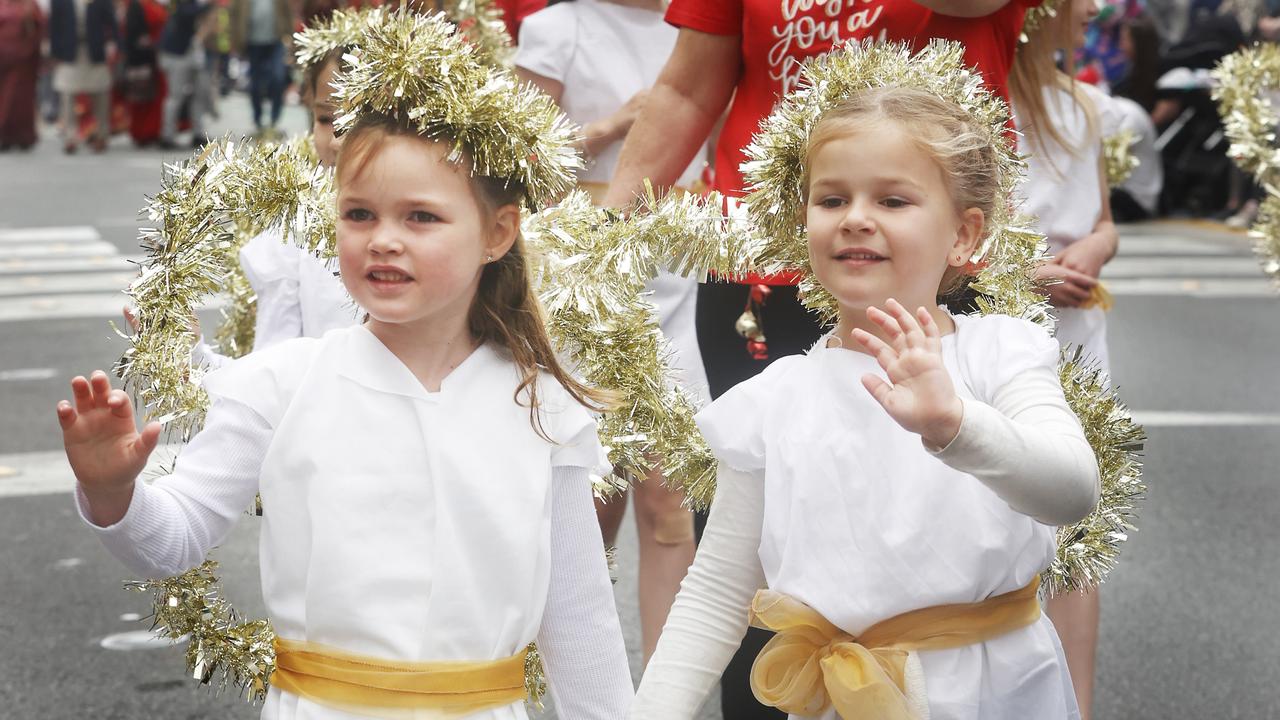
point(173, 522)
point(709, 616)
point(1029, 448)
point(581, 637)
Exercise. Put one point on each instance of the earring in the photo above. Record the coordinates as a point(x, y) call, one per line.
point(488, 258)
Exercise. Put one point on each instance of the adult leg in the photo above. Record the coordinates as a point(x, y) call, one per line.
point(1075, 615)
point(102, 115)
point(177, 90)
point(70, 128)
point(257, 80)
point(277, 75)
point(200, 89)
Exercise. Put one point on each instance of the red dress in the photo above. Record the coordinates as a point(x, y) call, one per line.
point(145, 113)
point(21, 29)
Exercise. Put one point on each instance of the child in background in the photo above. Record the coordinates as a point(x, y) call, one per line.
point(1066, 188)
point(597, 59)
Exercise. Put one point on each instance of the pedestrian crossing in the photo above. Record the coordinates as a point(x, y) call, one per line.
point(61, 272)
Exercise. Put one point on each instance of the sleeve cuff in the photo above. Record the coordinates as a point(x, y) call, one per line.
point(139, 523)
point(968, 438)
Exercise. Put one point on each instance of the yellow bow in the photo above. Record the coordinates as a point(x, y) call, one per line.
point(811, 665)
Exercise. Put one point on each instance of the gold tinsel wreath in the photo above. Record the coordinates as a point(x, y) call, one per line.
point(1037, 15)
point(1118, 157)
point(1010, 249)
point(479, 21)
point(1005, 283)
point(421, 71)
point(1244, 78)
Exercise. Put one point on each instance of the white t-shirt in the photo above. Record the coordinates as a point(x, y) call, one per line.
point(861, 522)
point(603, 54)
point(1147, 180)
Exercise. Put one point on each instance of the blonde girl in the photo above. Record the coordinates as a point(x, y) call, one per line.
point(892, 494)
point(425, 474)
point(1062, 124)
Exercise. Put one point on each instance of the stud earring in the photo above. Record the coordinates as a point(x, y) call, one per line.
point(488, 258)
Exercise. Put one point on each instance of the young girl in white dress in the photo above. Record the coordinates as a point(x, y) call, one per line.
point(896, 489)
point(426, 474)
point(597, 59)
point(1063, 124)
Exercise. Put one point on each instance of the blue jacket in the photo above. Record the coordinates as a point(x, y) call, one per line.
point(180, 29)
point(100, 28)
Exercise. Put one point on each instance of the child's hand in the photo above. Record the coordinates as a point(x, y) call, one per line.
point(922, 398)
point(1074, 290)
point(1088, 254)
point(106, 451)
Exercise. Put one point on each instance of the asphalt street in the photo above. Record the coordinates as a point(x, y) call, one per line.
point(1189, 628)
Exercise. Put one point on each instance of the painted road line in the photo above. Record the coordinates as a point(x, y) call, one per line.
point(37, 235)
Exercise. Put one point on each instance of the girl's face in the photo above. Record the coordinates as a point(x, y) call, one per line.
point(412, 239)
point(1082, 14)
point(881, 221)
point(327, 145)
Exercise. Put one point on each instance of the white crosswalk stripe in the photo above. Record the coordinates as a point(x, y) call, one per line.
point(1171, 259)
point(61, 272)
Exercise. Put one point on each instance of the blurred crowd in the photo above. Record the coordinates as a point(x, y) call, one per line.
point(157, 69)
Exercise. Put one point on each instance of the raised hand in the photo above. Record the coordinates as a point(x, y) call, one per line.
point(104, 447)
point(921, 398)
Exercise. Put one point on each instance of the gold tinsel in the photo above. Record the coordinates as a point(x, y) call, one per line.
point(1117, 153)
point(192, 248)
point(479, 21)
point(1089, 549)
point(1010, 248)
point(1038, 14)
point(1243, 80)
point(219, 643)
point(420, 70)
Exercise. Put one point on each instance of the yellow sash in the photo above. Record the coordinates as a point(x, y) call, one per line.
point(370, 685)
point(811, 664)
point(1099, 297)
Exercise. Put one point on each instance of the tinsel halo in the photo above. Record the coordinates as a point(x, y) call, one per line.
point(420, 70)
point(192, 247)
point(1244, 78)
point(1010, 248)
point(1036, 16)
point(479, 21)
point(1118, 157)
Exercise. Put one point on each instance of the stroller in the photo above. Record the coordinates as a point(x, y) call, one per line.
point(1193, 146)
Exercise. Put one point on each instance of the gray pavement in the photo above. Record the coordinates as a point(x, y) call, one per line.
point(1188, 628)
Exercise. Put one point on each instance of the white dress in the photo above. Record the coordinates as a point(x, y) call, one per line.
point(298, 295)
point(398, 523)
point(1064, 192)
point(603, 54)
point(854, 517)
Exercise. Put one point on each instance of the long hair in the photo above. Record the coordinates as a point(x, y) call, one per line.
point(1035, 68)
point(941, 129)
point(505, 311)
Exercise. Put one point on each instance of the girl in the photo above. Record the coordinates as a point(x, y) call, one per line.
point(426, 473)
point(597, 60)
point(1062, 125)
point(298, 295)
point(914, 513)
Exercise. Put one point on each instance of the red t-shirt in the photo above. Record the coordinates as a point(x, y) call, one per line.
point(778, 35)
point(514, 11)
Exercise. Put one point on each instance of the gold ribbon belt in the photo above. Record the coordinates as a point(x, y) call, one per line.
point(1099, 297)
point(346, 681)
point(811, 664)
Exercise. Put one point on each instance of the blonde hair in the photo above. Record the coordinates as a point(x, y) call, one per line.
point(505, 310)
point(940, 128)
point(1035, 68)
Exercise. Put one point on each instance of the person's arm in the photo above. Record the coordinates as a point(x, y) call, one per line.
point(963, 8)
point(581, 637)
point(168, 526)
point(1088, 254)
point(682, 107)
point(599, 134)
point(1028, 447)
point(709, 616)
